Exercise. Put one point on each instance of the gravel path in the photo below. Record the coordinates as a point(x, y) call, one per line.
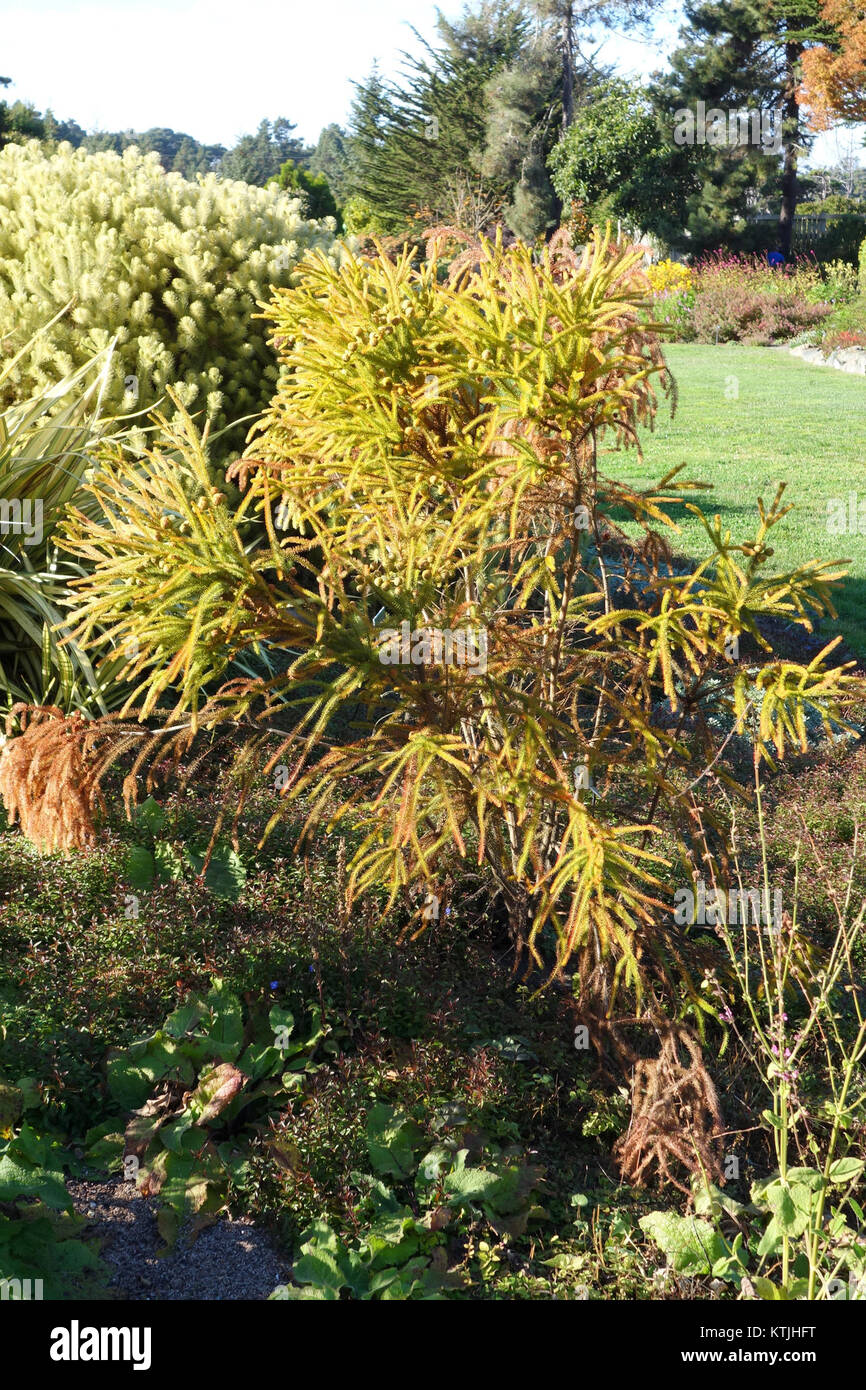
point(229, 1260)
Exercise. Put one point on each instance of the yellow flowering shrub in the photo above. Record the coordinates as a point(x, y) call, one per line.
point(668, 277)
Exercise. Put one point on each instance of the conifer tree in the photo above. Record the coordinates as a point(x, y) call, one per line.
point(533, 102)
point(409, 140)
point(257, 158)
point(432, 468)
point(331, 157)
point(740, 54)
point(19, 121)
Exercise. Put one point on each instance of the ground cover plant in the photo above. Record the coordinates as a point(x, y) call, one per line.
point(434, 1030)
point(192, 1086)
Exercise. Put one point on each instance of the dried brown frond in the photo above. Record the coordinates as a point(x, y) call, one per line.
point(47, 780)
point(676, 1118)
point(51, 771)
point(465, 264)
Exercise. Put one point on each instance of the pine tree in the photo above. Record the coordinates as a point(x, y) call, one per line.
point(524, 121)
point(409, 141)
point(59, 131)
point(20, 121)
point(257, 158)
point(533, 102)
point(331, 158)
point(744, 54)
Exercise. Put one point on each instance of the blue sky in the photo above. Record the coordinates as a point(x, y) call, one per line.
point(215, 68)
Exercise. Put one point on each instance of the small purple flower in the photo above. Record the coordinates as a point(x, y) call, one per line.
point(275, 984)
point(726, 1015)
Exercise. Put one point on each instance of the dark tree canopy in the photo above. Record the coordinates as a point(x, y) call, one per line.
point(317, 196)
point(257, 158)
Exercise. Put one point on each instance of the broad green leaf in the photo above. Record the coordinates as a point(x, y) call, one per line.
point(139, 867)
point(846, 1170)
point(225, 875)
point(150, 815)
point(168, 862)
point(392, 1141)
point(19, 1179)
point(133, 1073)
point(691, 1245)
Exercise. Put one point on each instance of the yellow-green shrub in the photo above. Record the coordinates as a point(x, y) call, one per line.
point(437, 451)
point(173, 269)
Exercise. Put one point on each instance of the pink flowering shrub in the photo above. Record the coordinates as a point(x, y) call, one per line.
point(800, 278)
point(727, 313)
point(742, 299)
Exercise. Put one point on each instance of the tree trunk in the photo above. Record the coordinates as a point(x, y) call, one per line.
point(567, 65)
point(791, 134)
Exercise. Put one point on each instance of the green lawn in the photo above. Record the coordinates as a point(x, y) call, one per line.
point(789, 422)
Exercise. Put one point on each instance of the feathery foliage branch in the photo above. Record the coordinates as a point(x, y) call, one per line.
point(434, 463)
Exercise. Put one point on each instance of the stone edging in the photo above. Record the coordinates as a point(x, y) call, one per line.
point(852, 359)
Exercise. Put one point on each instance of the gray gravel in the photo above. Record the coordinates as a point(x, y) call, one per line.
point(228, 1260)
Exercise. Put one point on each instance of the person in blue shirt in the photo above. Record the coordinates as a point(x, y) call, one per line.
point(775, 257)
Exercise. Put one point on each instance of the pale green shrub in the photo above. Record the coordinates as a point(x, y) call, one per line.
point(173, 269)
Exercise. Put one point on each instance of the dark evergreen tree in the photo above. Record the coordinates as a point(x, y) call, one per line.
point(257, 158)
point(533, 102)
point(58, 131)
point(178, 152)
point(740, 55)
point(313, 188)
point(19, 121)
point(331, 158)
point(565, 20)
point(411, 142)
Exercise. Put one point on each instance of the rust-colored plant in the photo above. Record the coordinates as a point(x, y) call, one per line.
point(48, 778)
point(676, 1123)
